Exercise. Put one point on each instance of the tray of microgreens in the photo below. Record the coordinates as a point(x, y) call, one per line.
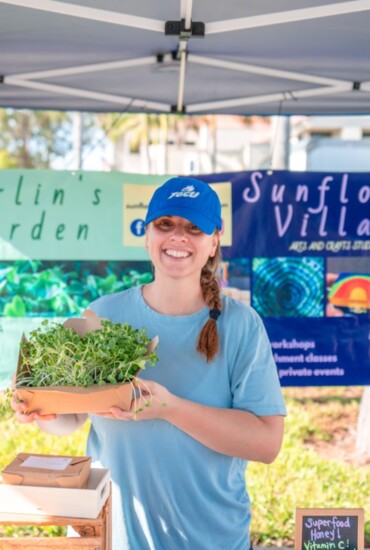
point(59, 357)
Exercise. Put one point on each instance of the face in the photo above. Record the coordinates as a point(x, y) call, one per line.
point(177, 247)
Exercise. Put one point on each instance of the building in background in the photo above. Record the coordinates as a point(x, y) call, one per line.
point(225, 143)
point(340, 144)
point(181, 144)
point(197, 145)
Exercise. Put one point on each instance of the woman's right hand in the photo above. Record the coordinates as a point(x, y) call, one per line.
point(21, 412)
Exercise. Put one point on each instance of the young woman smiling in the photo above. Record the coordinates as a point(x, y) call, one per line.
point(178, 467)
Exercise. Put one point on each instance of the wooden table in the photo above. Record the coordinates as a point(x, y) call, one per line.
point(95, 534)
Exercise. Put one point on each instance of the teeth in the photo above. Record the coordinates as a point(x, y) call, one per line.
point(177, 253)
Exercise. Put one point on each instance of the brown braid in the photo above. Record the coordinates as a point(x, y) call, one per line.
point(208, 344)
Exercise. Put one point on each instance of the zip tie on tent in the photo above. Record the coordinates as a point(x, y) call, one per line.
point(286, 97)
point(177, 28)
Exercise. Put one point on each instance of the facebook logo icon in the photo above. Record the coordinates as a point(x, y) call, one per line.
point(137, 228)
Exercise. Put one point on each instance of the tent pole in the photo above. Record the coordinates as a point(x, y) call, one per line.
point(180, 97)
point(289, 16)
point(186, 12)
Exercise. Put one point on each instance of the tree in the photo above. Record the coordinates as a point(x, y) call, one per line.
point(135, 132)
point(33, 139)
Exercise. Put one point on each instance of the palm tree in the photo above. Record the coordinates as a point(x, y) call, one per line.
point(135, 131)
point(33, 139)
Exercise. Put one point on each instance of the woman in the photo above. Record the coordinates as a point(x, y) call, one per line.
point(214, 399)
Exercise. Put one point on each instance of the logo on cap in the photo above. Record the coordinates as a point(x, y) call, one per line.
point(188, 192)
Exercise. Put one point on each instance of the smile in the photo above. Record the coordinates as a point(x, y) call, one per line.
point(177, 253)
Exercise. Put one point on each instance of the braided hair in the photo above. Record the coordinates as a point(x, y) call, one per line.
point(208, 342)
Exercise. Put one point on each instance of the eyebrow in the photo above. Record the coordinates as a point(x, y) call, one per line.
point(170, 216)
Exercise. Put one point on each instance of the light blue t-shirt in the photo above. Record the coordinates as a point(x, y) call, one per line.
point(170, 492)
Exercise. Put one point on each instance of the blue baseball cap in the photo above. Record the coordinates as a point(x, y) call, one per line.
point(187, 198)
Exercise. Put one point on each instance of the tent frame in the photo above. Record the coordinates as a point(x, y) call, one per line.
point(186, 31)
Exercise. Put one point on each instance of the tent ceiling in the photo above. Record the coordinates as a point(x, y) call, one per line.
point(256, 57)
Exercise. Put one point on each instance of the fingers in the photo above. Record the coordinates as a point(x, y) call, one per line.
point(20, 409)
point(116, 414)
point(27, 418)
point(145, 386)
point(122, 415)
point(23, 415)
point(24, 418)
point(17, 404)
point(144, 383)
point(148, 403)
point(44, 416)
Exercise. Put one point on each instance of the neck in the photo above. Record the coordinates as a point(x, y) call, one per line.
point(174, 297)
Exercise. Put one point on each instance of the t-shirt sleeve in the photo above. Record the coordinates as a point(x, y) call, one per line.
point(254, 380)
point(106, 307)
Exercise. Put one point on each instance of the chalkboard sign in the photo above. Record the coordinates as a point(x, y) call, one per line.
point(329, 529)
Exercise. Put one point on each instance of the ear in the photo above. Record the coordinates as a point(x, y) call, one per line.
point(146, 240)
point(215, 241)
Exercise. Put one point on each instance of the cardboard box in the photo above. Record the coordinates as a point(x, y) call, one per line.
point(73, 399)
point(38, 470)
point(58, 501)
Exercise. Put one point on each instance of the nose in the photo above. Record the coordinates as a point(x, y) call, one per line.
point(178, 232)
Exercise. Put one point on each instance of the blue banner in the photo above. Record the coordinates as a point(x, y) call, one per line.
point(298, 214)
point(300, 255)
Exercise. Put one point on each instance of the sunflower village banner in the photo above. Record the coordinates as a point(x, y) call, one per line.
point(296, 247)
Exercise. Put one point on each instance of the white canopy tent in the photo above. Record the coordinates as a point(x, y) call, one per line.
point(195, 56)
point(241, 57)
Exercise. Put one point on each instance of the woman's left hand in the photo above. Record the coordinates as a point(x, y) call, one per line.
point(152, 401)
point(232, 432)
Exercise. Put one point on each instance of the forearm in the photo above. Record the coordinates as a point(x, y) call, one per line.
point(229, 431)
point(64, 424)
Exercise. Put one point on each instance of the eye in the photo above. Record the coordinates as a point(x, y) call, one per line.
point(194, 229)
point(163, 223)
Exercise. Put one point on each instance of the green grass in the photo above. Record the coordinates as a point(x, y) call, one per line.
point(298, 478)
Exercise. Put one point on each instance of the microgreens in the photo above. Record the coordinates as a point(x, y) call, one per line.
point(58, 356)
